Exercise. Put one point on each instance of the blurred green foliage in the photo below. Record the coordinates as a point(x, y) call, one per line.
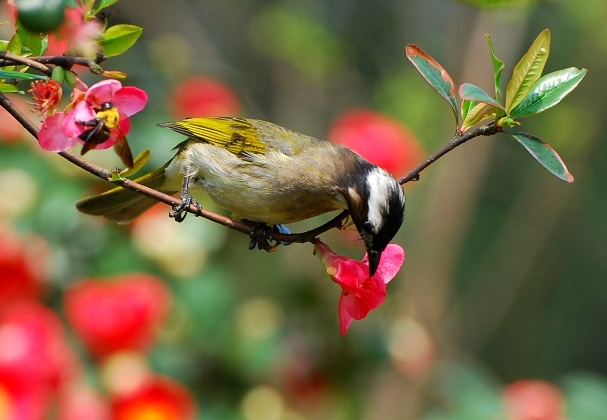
point(506, 266)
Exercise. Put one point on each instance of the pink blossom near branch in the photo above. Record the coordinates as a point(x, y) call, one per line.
point(360, 293)
point(62, 130)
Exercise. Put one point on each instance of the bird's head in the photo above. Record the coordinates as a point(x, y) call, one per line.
point(376, 203)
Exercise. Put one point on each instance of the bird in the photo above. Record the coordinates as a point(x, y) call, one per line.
point(265, 173)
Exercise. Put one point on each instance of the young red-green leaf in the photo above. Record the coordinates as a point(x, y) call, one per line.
point(498, 66)
point(138, 163)
point(475, 93)
point(528, 70)
point(479, 113)
point(434, 74)
point(549, 91)
point(119, 38)
point(544, 154)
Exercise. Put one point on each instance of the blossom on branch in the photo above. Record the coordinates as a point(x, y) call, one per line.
point(47, 96)
point(360, 293)
point(99, 118)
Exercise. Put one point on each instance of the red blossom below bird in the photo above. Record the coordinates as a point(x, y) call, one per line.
point(360, 293)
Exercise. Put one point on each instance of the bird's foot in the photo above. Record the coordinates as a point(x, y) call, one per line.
point(181, 210)
point(261, 236)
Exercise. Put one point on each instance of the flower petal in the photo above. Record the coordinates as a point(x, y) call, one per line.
point(51, 136)
point(391, 261)
point(345, 319)
point(350, 274)
point(103, 91)
point(130, 100)
point(82, 112)
point(370, 296)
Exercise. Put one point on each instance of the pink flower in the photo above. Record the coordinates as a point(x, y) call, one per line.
point(107, 103)
point(360, 293)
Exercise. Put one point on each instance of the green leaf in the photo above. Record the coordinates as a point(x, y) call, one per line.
point(544, 154)
point(31, 41)
point(138, 163)
point(467, 105)
point(549, 91)
point(3, 45)
point(475, 93)
point(434, 74)
point(498, 66)
point(14, 45)
point(102, 5)
point(528, 70)
point(119, 38)
point(479, 113)
point(5, 87)
point(9, 74)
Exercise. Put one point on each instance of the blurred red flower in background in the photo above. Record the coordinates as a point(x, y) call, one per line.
point(200, 96)
point(360, 293)
point(380, 139)
point(11, 131)
point(35, 360)
point(120, 313)
point(158, 398)
point(22, 264)
point(533, 400)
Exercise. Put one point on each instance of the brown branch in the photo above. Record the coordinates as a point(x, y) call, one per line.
point(13, 59)
point(39, 63)
point(486, 130)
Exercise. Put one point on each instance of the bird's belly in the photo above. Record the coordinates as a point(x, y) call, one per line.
point(259, 203)
point(273, 188)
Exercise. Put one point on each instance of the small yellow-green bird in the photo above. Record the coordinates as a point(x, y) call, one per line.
point(266, 173)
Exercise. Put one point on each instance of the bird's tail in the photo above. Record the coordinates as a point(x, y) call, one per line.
point(121, 205)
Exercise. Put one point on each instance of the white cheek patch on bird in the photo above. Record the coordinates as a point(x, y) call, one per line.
point(380, 185)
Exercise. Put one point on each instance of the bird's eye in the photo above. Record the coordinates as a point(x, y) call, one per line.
point(368, 227)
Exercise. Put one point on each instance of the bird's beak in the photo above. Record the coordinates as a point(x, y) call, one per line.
point(374, 257)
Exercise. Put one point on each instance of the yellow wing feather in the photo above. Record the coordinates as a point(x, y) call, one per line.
point(236, 135)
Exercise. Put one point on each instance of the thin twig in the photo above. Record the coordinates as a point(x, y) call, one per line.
point(14, 59)
point(486, 130)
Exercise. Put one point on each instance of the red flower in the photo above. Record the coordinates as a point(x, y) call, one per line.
point(47, 96)
point(35, 360)
point(115, 314)
point(22, 263)
point(159, 398)
point(380, 139)
point(63, 130)
point(533, 400)
point(200, 96)
point(360, 294)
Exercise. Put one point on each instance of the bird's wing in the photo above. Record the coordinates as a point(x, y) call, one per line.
point(244, 137)
point(236, 135)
